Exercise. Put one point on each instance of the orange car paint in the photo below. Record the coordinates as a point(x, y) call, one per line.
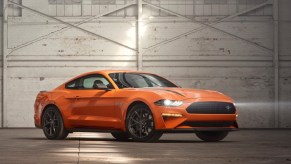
point(100, 109)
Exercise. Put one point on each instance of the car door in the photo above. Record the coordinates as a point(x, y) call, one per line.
point(92, 107)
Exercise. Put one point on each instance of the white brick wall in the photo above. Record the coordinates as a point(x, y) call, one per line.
point(208, 59)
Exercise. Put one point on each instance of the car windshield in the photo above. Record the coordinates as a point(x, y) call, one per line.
point(139, 80)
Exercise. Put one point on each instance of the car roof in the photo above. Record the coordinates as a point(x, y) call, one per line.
point(116, 71)
point(105, 72)
point(102, 72)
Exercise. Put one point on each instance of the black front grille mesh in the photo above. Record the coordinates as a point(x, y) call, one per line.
point(211, 108)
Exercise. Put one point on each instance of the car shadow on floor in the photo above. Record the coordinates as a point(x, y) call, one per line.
point(114, 140)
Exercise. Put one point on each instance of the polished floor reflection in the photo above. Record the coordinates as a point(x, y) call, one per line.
point(245, 146)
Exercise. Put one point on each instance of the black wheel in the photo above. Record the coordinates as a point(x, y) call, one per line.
point(212, 136)
point(53, 125)
point(140, 124)
point(120, 136)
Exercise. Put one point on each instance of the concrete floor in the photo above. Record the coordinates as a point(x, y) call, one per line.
point(245, 146)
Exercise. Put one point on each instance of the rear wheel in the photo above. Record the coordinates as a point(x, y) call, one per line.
point(53, 125)
point(120, 136)
point(140, 124)
point(212, 136)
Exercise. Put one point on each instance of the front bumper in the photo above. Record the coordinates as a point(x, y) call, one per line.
point(178, 119)
point(197, 129)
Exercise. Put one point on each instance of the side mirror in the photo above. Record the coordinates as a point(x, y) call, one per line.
point(102, 86)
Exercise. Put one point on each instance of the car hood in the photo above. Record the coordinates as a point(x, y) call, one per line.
point(185, 93)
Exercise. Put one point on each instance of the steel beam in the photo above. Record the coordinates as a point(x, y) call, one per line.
point(4, 63)
point(268, 2)
point(138, 36)
point(71, 25)
point(276, 64)
point(204, 25)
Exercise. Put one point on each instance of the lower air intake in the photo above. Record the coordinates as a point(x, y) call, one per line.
point(211, 108)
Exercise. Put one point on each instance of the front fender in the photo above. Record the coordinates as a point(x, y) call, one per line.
point(146, 98)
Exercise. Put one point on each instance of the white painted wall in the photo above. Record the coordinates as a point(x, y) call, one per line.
point(208, 59)
point(1, 52)
point(285, 62)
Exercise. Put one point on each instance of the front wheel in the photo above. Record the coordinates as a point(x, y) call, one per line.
point(53, 125)
point(140, 124)
point(212, 136)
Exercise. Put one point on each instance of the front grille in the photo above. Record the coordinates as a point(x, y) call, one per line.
point(211, 108)
point(208, 124)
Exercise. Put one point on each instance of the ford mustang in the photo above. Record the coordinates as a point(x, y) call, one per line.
point(132, 105)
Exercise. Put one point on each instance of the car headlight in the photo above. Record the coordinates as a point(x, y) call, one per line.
point(173, 103)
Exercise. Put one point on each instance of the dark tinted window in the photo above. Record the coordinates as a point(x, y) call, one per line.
point(139, 80)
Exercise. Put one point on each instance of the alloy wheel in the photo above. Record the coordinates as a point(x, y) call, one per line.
point(140, 123)
point(51, 122)
point(53, 125)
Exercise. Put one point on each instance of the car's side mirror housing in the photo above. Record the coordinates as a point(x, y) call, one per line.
point(102, 86)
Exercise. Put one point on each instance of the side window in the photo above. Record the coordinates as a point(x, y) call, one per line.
point(88, 82)
point(72, 84)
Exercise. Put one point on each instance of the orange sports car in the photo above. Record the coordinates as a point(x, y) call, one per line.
point(132, 105)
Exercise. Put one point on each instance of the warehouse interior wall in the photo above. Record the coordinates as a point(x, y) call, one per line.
point(285, 62)
point(1, 61)
point(235, 56)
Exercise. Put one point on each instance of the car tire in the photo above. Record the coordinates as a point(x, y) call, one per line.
point(212, 136)
point(53, 125)
point(120, 136)
point(140, 124)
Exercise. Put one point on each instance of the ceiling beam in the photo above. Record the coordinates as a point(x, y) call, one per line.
point(204, 26)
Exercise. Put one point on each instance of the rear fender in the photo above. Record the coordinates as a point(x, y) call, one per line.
point(42, 101)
